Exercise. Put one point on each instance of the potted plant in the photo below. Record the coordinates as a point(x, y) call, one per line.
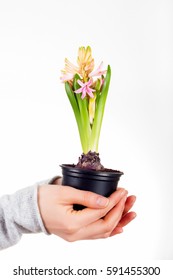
point(87, 91)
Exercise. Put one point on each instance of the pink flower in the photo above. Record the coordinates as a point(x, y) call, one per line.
point(98, 71)
point(85, 89)
point(69, 71)
point(66, 77)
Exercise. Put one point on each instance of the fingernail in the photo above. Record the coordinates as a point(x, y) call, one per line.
point(133, 202)
point(123, 192)
point(102, 201)
point(134, 215)
point(120, 230)
point(134, 199)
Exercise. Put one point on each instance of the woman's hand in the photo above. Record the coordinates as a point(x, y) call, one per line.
point(102, 217)
point(127, 216)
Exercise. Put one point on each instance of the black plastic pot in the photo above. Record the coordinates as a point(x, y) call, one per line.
point(101, 182)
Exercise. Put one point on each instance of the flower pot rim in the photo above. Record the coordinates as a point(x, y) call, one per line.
point(105, 173)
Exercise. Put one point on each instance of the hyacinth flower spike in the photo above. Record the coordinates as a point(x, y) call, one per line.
point(87, 91)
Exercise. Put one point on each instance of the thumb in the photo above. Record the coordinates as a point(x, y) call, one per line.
point(72, 196)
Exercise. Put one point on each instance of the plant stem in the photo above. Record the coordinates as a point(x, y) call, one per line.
point(96, 128)
point(76, 111)
point(83, 111)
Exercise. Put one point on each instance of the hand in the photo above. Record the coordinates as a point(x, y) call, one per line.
point(127, 216)
point(99, 220)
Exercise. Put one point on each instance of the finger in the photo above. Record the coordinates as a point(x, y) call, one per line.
point(117, 230)
point(70, 196)
point(114, 216)
point(88, 216)
point(129, 203)
point(57, 181)
point(126, 219)
point(102, 228)
point(123, 222)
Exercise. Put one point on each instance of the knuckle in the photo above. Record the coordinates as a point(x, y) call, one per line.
point(108, 228)
point(101, 213)
point(106, 234)
point(86, 197)
point(70, 228)
point(70, 238)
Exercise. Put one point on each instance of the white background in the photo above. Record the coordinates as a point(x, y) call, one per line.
point(38, 130)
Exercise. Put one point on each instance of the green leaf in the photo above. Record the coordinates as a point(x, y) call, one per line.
point(75, 107)
point(83, 109)
point(96, 128)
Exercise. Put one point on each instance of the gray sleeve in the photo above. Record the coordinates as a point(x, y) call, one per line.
point(19, 213)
